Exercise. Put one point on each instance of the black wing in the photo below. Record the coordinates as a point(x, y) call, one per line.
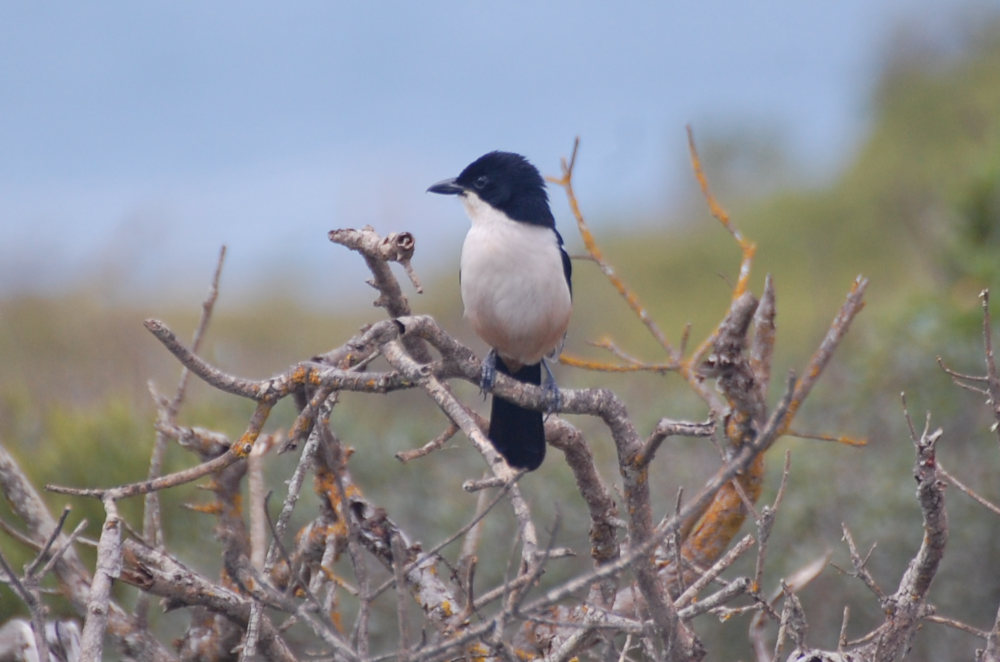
point(567, 264)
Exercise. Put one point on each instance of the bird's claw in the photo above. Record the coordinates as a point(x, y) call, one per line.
point(553, 397)
point(489, 373)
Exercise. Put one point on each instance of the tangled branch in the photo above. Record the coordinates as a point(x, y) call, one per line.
point(328, 573)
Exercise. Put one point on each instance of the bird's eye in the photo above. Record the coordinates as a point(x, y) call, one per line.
point(481, 182)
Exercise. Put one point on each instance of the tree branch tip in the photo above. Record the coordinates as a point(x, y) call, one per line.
point(856, 442)
point(555, 553)
point(572, 157)
point(472, 486)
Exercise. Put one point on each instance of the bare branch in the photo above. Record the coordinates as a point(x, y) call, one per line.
point(35, 607)
point(604, 546)
point(747, 247)
point(377, 252)
point(860, 564)
point(907, 606)
point(152, 527)
point(764, 334)
point(73, 577)
point(163, 482)
point(431, 446)
point(838, 329)
point(992, 376)
point(975, 496)
point(43, 554)
point(992, 651)
point(109, 567)
point(160, 574)
point(669, 428)
point(709, 575)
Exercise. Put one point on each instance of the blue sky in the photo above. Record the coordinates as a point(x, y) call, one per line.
point(138, 137)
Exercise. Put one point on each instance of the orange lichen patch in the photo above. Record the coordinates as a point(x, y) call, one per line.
point(477, 652)
point(325, 485)
point(300, 374)
point(337, 620)
point(299, 427)
point(712, 533)
point(314, 536)
point(228, 582)
point(212, 508)
point(244, 444)
point(738, 430)
point(232, 506)
point(332, 576)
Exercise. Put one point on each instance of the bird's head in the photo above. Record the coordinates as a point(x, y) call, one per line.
point(506, 182)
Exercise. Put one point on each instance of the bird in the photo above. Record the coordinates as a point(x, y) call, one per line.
point(515, 278)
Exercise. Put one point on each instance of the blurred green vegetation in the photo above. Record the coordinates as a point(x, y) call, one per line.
point(917, 210)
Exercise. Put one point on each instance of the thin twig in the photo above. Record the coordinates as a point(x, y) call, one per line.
point(431, 446)
point(975, 496)
point(35, 607)
point(861, 562)
point(146, 486)
point(152, 527)
point(709, 575)
point(44, 552)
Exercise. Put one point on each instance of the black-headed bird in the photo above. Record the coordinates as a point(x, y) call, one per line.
point(515, 282)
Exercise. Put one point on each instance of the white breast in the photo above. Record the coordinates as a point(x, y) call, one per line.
point(513, 285)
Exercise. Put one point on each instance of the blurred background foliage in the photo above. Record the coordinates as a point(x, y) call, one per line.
point(917, 210)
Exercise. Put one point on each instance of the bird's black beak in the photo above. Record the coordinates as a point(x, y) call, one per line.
point(446, 187)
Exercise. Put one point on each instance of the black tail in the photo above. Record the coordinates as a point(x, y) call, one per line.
point(518, 433)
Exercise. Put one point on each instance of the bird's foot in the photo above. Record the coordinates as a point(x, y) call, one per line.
point(553, 397)
point(489, 373)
